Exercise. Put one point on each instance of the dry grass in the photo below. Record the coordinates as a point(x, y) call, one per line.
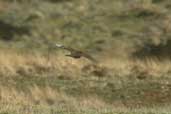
point(35, 82)
point(48, 101)
point(13, 63)
point(146, 7)
point(3, 6)
point(39, 96)
point(152, 67)
point(16, 65)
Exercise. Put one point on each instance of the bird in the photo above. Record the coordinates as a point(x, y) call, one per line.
point(76, 54)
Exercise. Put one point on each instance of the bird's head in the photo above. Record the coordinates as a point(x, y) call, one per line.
point(59, 45)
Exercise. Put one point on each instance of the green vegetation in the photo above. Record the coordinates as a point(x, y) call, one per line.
point(131, 39)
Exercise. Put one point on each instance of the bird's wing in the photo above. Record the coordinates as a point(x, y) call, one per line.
point(89, 57)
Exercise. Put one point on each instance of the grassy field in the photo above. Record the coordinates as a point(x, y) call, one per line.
point(130, 40)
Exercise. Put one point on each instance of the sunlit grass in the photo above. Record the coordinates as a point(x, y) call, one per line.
point(36, 80)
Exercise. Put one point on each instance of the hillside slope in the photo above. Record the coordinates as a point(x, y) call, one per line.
point(131, 39)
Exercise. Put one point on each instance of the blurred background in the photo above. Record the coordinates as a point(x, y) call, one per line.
point(116, 28)
point(131, 39)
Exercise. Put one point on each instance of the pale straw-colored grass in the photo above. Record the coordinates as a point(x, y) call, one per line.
point(13, 62)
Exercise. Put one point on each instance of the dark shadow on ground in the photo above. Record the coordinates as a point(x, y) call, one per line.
point(7, 31)
point(161, 51)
